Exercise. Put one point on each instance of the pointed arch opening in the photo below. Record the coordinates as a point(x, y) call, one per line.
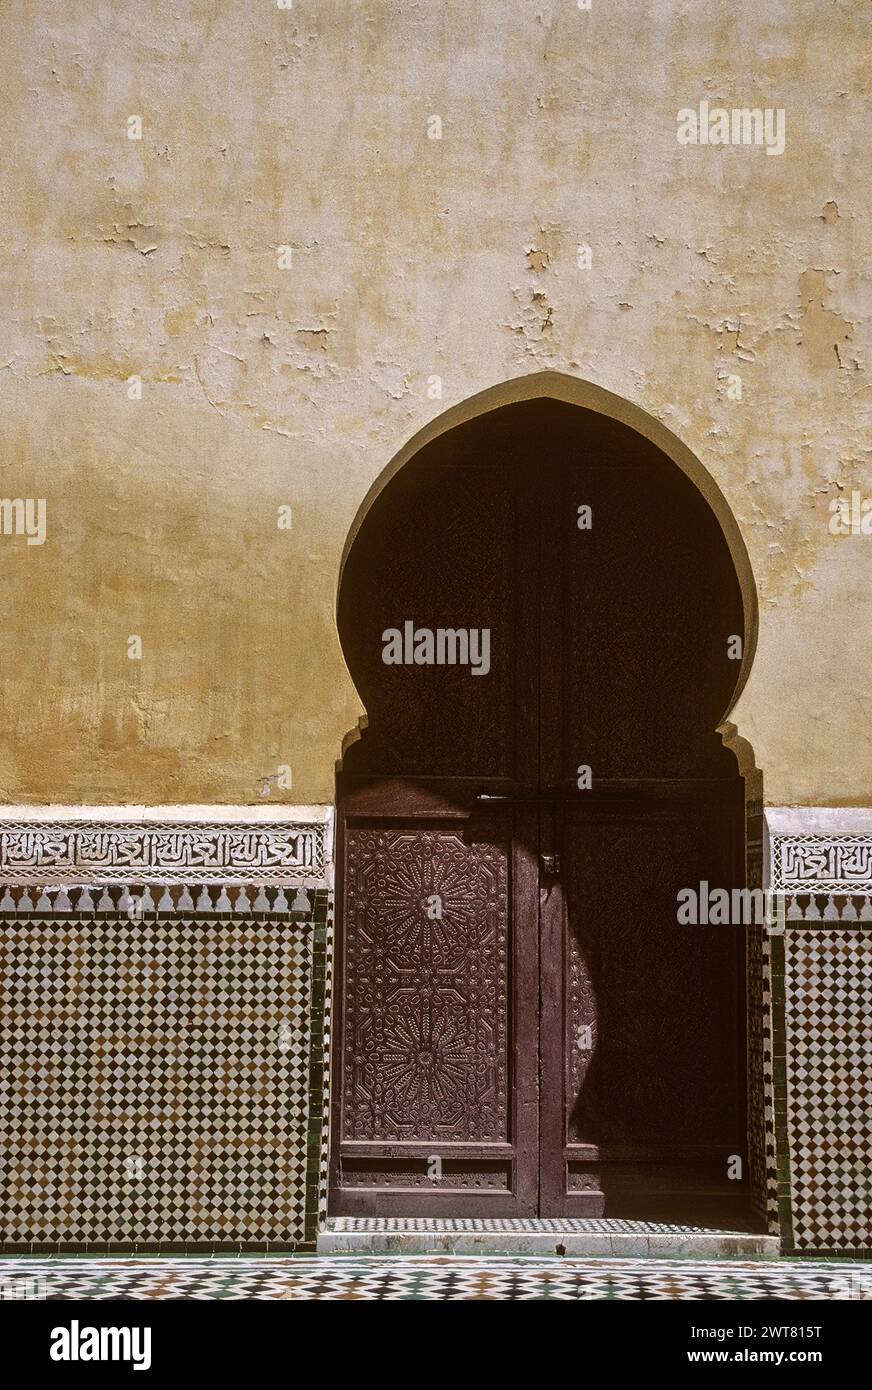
point(548, 612)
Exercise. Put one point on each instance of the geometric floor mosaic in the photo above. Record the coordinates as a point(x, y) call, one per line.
point(432, 1279)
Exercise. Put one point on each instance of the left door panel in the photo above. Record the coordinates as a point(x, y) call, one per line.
point(436, 1095)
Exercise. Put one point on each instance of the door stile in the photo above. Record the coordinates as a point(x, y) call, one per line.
point(552, 1044)
point(557, 532)
point(525, 1009)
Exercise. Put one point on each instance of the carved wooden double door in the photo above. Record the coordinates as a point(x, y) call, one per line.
point(522, 1026)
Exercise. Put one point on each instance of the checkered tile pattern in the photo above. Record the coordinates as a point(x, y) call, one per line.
point(828, 986)
point(155, 1081)
point(371, 1279)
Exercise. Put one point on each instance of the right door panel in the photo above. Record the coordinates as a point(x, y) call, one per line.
point(641, 1036)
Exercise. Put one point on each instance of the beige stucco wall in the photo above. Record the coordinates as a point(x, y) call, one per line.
point(411, 257)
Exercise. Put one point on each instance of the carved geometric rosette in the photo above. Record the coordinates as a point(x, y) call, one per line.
point(186, 852)
point(425, 1052)
point(821, 863)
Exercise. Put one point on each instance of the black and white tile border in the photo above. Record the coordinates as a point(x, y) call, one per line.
point(820, 863)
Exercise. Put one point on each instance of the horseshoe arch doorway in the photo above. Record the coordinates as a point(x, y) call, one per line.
point(522, 1026)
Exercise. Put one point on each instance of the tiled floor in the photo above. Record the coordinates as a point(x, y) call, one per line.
point(431, 1278)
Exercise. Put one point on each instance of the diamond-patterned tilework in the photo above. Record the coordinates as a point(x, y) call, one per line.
point(828, 979)
point(155, 1081)
point(430, 1278)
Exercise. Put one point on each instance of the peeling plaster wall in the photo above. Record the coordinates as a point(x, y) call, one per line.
point(412, 257)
